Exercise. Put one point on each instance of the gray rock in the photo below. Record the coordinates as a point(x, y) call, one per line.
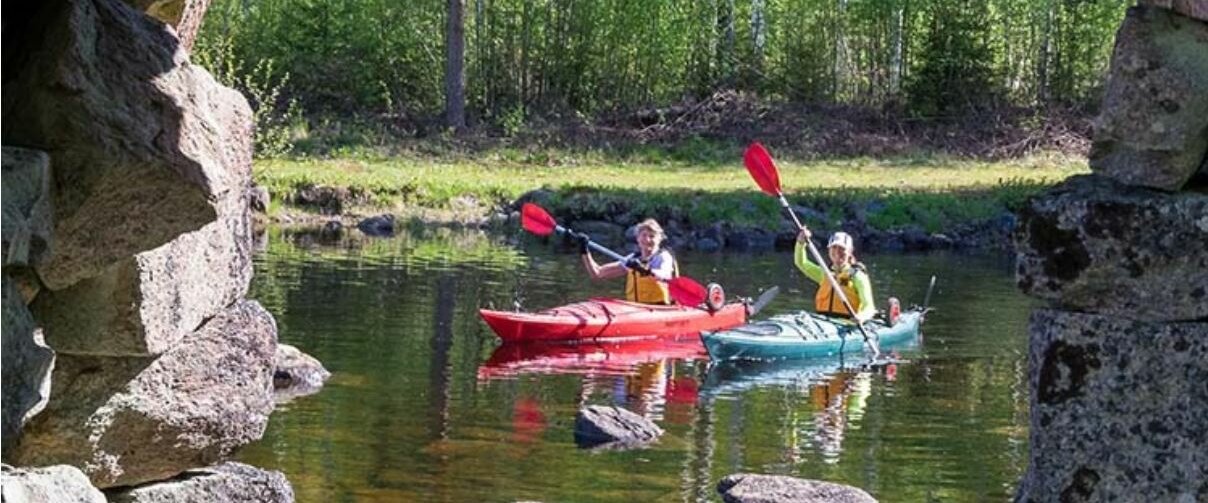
point(1117, 409)
point(1196, 9)
point(607, 426)
point(183, 15)
point(228, 482)
point(130, 420)
point(258, 198)
point(145, 304)
point(380, 225)
point(754, 488)
point(26, 366)
point(48, 484)
point(327, 200)
point(1097, 246)
point(296, 373)
point(1153, 127)
point(141, 140)
point(26, 219)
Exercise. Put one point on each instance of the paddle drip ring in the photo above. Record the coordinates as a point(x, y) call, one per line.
point(715, 297)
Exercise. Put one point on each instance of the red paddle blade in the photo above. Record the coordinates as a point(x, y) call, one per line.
point(763, 170)
point(536, 220)
point(685, 291)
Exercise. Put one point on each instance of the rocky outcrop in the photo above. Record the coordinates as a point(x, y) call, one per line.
point(1094, 245)
point(296, 373)
point(50, 484)
point(1117, 372)
point(1195, 9)
point(26, 220)
point(26, 366)
point(127, 242)
point(144, 304)
point(752, 488)
point(1153, 128)
point(599, 426)
point(227, 482)
point(139, 137)
point(129, 420)
point(1117, 408)
point(183, 15)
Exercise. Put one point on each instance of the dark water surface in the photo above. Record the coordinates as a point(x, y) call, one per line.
point(421, 406)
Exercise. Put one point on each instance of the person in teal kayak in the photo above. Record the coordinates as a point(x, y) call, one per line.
point(851, 275)
point(646, 272)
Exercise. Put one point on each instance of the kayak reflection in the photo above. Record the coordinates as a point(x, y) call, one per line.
point(653, 378)
point(822, 398)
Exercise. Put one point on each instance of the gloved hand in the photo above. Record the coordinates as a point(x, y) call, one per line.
point(634, 264)
point(582, 239)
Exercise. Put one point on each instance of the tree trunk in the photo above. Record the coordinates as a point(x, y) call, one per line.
point(455, 82)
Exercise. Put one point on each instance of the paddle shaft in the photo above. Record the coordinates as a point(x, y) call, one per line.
point(593, 245)
point(830, 277)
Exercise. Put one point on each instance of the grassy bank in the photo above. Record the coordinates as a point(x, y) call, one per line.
point(697, 186)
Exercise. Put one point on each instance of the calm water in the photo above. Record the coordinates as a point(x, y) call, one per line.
point(422, 407)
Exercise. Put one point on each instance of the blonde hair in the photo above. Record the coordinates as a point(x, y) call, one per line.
point(652, 225)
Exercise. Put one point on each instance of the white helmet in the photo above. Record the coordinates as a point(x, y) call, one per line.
point(841, 239)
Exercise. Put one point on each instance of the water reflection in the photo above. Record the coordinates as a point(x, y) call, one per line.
point(424, 405)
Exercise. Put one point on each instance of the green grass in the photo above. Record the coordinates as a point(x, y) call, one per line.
point(931, 192)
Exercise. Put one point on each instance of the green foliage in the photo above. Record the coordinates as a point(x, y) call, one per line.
point(277, 121)
point(384, 58)
point(954, 73)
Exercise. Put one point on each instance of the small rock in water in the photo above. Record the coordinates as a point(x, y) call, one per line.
point(380, 225)
point(600, 426)
point(754, 488)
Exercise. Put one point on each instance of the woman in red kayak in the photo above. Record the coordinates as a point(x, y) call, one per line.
point(851, 275)
point(646, 272)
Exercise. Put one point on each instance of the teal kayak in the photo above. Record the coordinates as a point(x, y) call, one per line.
point(805, 335)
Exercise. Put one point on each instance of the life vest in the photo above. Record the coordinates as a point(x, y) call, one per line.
point(826, 302)
point(647, 289)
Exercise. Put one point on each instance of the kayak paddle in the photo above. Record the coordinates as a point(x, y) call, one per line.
point(764, 299)
point(685, 290)
point(763, 170)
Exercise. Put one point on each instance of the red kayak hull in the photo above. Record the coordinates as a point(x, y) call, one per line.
point(604, 318)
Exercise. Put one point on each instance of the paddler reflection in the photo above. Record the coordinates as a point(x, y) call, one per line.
point(837, 402)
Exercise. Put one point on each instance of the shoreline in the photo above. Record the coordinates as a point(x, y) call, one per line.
point(616, 228)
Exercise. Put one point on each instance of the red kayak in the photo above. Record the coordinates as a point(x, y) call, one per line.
point(604, 318)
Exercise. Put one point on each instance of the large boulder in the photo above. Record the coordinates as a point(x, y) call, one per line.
point(754, 488)
point(26, 366)
point(1117, 409)
point(27, 211)
point(130, 420)
point(228, 482)
point(601, 426)
point(183, 15)
point(49, 484)
point(139, 138)
point(144, 304)
point(1153, 128)
point(1094, 245)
